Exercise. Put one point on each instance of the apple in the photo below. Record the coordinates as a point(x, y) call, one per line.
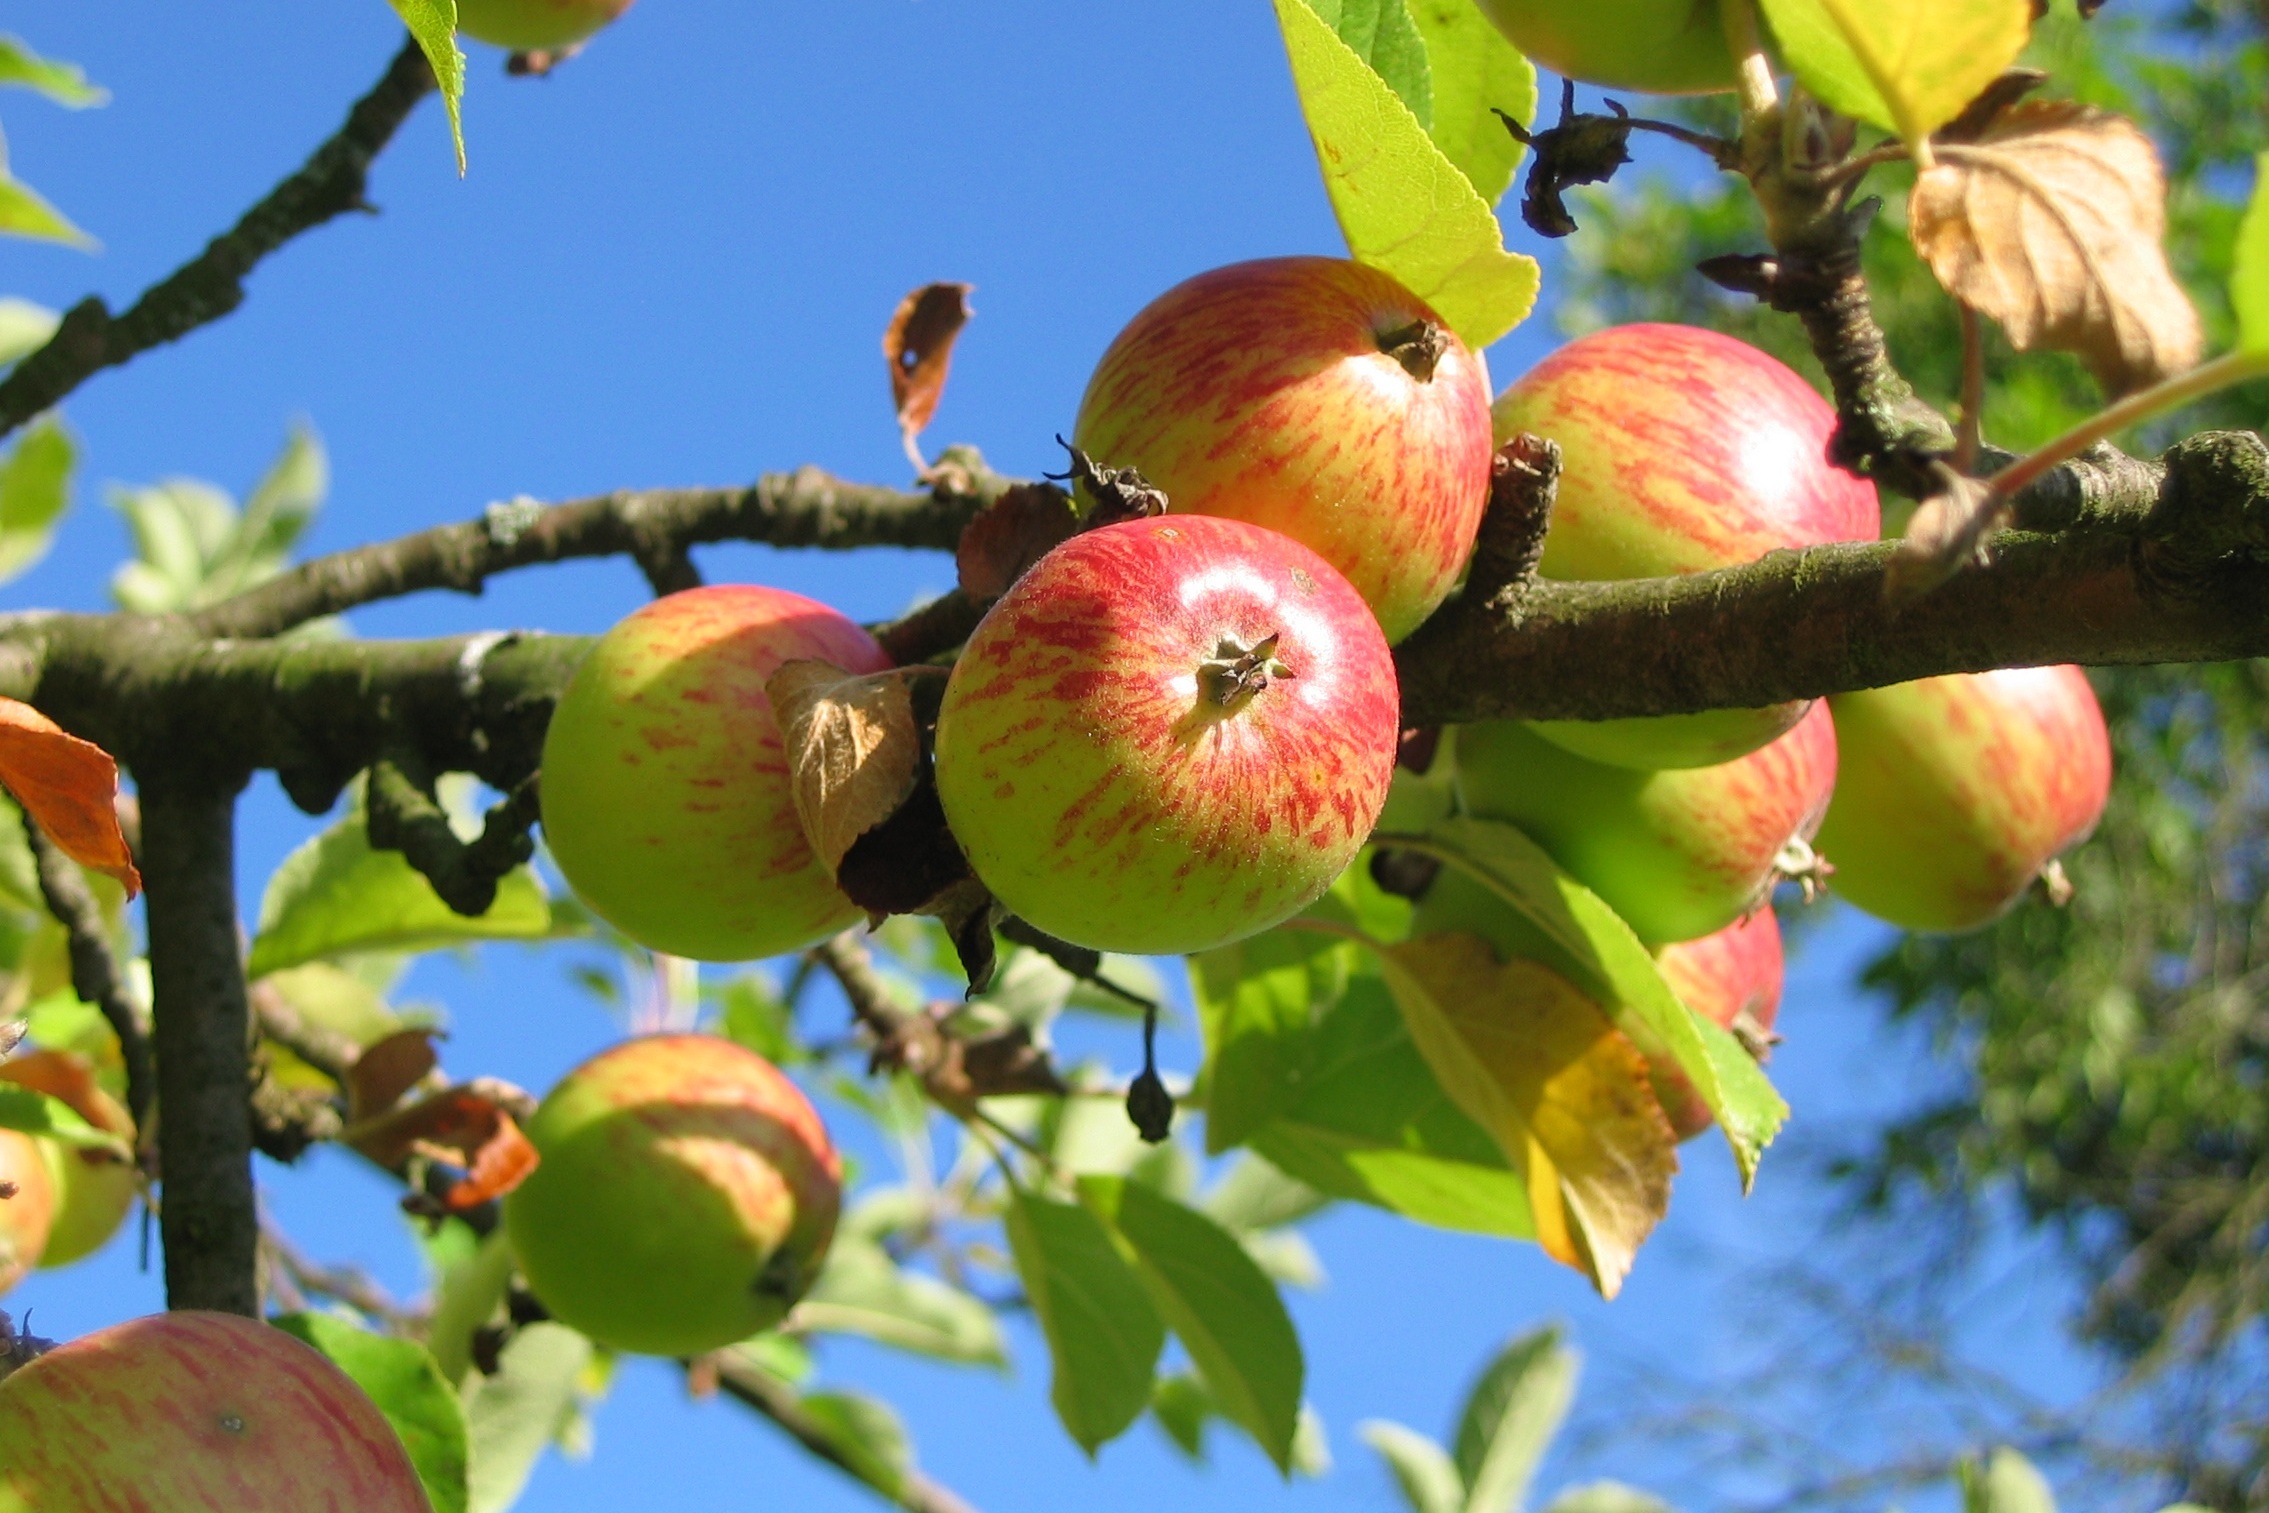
point(1314, 396)
point(1681, 450)
point(1663, 47)
point(188, 1412)
point(28, 1214)
point(685, 1199)
point(1733, 975)
point(666, 799)
point(94, 1190)
point(1680, 853)
point(1169, 734)
point(532, 25)
point(1957, 791)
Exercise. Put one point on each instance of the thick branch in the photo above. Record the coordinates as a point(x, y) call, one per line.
point(94, 966)
point(210, 1224)
point(805, 508)
point(750, 1385)
point(211, 284)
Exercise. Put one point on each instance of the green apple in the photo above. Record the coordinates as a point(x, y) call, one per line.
point(1679, 853)
point(1663, 47)
point(193, 1412)
point(666, 797)
point(532, 25)
point(94, 1189)
point(685, 1199)
point(1957, 791)
point(27, 1214)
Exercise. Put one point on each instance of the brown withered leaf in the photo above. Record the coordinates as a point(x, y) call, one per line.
point(68, 787)
point(853, 749)
point(386, 1070)
point(1946, 534)
point(2051, 222)
point(1009, 535)
point(919, 348)
point(471, 1126)
point(1564, 1094)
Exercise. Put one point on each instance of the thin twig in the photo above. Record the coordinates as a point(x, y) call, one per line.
point(95, 974)
point(211, 284)
point(749, 1384)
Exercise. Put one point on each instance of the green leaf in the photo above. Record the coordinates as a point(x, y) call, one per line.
point(434, 24)
point(862, 1291)
point(336, 894)
point(1382, 34)
point(1182, 1407)
point(1103, 1334)
point(1908, 68)
point(1402, 205)
point(2007, 1483)
point(1510, 1418)
point(869, 1435)
point(1473, 68)
point(1226, 1311)
point(1589, 943)
point(1430, 1482)
point(751, 1011)
point(1256, 1196)
point(1374, 1125)
point(35, 489)
point(64, 83)
point(278, 512)
point(24, 213)
point(402, 1379)
point(2249, 280)
point(1607, 1497)
point(24, 328)
point(512, 1415)
point(38, 1114)
point(471, 1291)
point(1259, 1001)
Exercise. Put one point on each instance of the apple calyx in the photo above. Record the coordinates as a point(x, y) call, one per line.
point(1418, 347)
point(18, 1349)
point(1235, 672)
point(1798, 863)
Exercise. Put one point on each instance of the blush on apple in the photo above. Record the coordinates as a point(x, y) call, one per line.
point(1316, 397)
point(666, 798)
point(27, 1213)
point(1732, 979)
point(1681, 450)
point(94, 1189)
point(1957, 791)
point(188, 1412)
point(685, 1200)
point(1170, 734)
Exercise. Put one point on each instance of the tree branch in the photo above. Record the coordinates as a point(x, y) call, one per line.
point(805, 508)
point(750, 1385)
point(209, 1219)
point(211, 284)
point(94, 966)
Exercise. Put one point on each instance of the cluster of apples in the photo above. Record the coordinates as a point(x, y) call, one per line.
point(62, 1201)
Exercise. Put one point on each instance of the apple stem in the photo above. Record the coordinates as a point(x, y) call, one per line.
point(1753, 80)
point(1418, 347)
point(1235, 673)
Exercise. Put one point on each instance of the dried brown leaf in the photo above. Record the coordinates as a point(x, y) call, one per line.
point(1009, 535)
point(1946, 533)
point(471, 1126)
point(853, 749)
point(919, 347)
point(2051, 222)
point(69, 788)
point(386, 1070)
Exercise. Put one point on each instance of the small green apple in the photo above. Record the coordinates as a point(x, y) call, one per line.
point(534, 25)
point(94, 1189)
point(1663, 47)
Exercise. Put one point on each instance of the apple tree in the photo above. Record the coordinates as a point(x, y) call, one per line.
point(1475, 927)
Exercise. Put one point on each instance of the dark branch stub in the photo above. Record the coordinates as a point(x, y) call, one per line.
point(1116, 494)
point(1581, 148)
point(1418, 347)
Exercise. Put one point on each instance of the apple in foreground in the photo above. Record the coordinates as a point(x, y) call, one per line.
point(1681, 450)
point(1314, 396)
point(1680, 853)
point(1733, 976)
point(685, 1199)
point(1956, 791)
point(529, 25)
point(188, 1412)
point(666, 798)
point(94, 1189)
point(1664, 47)
point(1169, 734)
point(28, 1213)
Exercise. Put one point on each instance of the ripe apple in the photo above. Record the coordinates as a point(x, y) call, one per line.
point(1170, 734)
point(1680, 853)
point(1722, 977)
point(531, 25)
point(1956, 791)
point(666, 799)
point(193, 1411)
point(1664, 47)
point(1680, 450)
point(94, 1190)
point(1316, 397)
point(28, 1215)
point(685, 1200)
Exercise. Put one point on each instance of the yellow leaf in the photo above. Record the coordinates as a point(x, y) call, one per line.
point(1566, 1097)
point(1908, 67)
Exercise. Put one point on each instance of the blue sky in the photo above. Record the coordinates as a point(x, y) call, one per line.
point(672, 263)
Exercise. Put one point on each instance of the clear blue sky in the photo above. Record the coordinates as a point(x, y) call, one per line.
point(671, 263)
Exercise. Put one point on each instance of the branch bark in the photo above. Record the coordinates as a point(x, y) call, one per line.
point(94, 966)
point(209, 1221)
point(211, 284)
